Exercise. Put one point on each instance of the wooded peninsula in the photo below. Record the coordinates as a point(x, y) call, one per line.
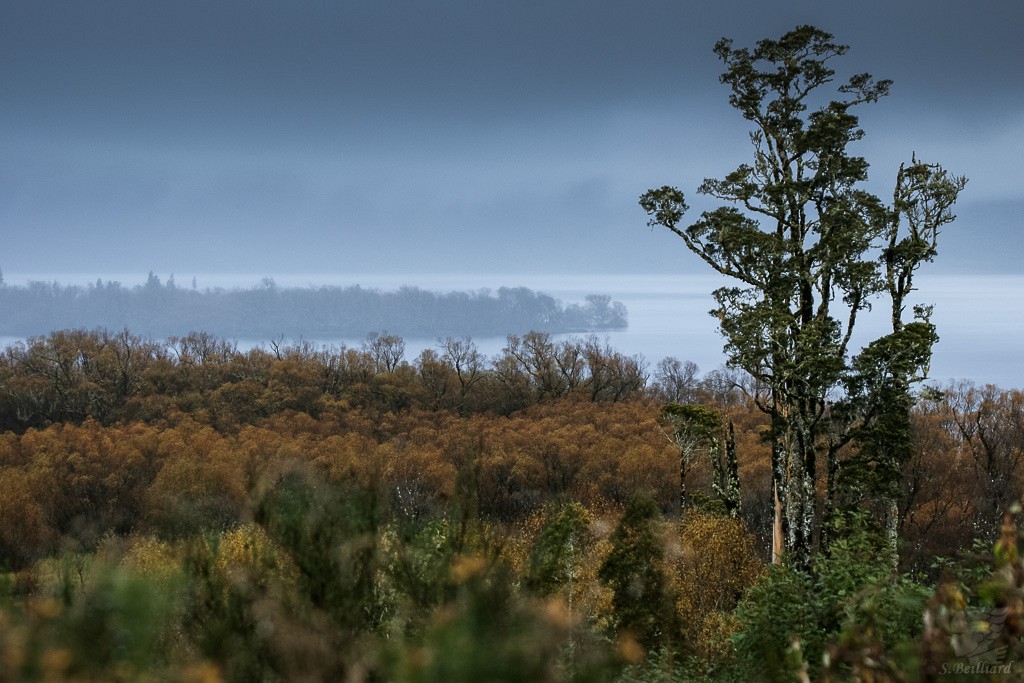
point(163, 309)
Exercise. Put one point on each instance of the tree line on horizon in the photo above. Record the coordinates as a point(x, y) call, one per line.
point(267, 311)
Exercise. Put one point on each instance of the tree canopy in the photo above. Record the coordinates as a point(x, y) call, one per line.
point(809, 250)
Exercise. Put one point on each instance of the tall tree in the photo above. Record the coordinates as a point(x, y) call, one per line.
point(698, 428)
point(810, 250)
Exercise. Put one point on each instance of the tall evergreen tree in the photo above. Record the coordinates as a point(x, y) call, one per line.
point(810, 250)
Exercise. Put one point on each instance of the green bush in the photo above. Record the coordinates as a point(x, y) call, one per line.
point(642, 605)
point(557, 549)
point(332, 535)
point(852, 601)
point(781, 606)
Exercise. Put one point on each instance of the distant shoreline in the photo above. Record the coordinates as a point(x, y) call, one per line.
point(163, 309)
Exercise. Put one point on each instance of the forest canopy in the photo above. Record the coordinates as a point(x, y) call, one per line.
point(267, 311)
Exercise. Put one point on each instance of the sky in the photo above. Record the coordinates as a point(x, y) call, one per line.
point(465, 136)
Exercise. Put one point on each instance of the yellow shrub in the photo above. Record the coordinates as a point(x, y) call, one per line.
point(246, 555)
point(712, 561)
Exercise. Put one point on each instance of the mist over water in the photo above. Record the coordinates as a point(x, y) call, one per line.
point(978, 317)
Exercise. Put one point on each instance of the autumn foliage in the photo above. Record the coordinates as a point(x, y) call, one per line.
point(306, 513)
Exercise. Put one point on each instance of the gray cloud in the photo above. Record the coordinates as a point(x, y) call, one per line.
point(280, 136)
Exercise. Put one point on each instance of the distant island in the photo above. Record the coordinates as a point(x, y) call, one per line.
point(266, 311)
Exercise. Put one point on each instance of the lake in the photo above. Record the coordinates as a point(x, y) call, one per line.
point(980, 318)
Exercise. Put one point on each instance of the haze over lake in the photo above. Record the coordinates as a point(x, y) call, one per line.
point(978, 317)
point(338, 139)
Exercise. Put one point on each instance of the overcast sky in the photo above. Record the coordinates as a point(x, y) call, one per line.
point(475, 136)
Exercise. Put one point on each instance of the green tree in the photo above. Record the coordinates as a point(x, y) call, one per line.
point(641, 599)
point(332, 535)
point(558, 550)
point(811, 250)
point(696, 428)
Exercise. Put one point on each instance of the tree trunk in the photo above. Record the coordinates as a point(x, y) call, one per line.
point(682, 482)
point(779, 477)
point(892, 530)
point(731, 485)
point(777, 527)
